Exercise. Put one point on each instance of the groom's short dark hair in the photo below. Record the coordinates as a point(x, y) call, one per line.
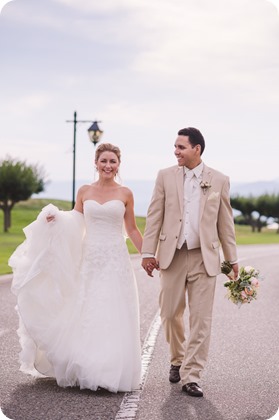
point(195, 136)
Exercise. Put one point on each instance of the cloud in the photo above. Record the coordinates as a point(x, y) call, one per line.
point(145, 69)
point(27, 105)
point(104, 6)
point(214, 42)
point(171, 41)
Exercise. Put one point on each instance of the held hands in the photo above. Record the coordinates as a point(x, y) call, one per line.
point(149, 264)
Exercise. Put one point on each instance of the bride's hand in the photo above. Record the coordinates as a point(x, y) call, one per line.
point(50, 218)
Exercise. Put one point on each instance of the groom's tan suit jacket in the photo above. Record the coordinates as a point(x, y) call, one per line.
point(165, 213)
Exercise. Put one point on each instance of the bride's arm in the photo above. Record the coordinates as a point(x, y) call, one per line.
point(79, 199)
point(130, 223)
point(51, 213)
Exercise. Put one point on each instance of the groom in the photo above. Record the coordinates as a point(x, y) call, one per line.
point(188, 218)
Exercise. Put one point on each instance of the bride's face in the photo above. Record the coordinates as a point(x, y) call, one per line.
point(107, 165)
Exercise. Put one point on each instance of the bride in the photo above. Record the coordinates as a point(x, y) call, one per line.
point(76, 291)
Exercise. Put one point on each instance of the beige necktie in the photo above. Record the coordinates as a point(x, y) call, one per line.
point(188, 185)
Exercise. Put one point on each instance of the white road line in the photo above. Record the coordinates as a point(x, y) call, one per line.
point(130, 403)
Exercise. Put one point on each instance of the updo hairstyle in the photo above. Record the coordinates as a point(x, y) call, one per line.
point(107, 147)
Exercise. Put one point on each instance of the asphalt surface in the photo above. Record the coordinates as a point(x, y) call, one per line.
point(240, 382)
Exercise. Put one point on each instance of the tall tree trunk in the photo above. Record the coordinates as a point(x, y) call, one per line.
point(7, 209)
point(9, 215)
point(7, 218)
point(259, 225)
point(252, 223)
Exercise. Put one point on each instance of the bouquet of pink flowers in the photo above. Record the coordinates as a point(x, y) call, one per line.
point(244, 289)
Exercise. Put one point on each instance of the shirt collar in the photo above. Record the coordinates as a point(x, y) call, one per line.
point(197, 170)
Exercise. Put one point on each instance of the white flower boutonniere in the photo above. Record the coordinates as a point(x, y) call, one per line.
point(205, 186)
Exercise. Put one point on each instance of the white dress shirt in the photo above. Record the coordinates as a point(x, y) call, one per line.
point(191, 205)
point(191, 208)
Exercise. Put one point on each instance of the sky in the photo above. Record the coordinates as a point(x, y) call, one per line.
point(145, 69)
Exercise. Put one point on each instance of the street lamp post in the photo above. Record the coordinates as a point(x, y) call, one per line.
point(95, 134)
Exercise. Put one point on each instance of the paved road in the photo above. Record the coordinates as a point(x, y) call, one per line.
point(240, 381)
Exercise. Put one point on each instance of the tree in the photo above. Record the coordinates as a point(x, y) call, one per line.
point(247, 206)
point(257, 210)
point(18, 182)
point(272, 207)
point(263, 209)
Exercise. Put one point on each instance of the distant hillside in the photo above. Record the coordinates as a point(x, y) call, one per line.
point(256, 188)
point(142, 190)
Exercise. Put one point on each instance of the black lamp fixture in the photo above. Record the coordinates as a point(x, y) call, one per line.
point(95, 133)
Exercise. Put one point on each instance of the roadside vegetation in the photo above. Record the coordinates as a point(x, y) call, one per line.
point(26, 212)
point(18, 181)
point(256, 211)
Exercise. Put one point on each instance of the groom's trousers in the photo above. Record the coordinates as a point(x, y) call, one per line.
point(187, 272)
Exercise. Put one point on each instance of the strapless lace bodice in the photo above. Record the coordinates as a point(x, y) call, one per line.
point(103, 219)
point(104, 234)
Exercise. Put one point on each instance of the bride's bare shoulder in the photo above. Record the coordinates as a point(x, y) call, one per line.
point(83, 191)
point(84, 188)
point(126, 192)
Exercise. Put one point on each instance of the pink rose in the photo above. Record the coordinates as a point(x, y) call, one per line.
point(255, 282)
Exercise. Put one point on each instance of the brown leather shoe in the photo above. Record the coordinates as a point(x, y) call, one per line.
point(193, 389)
point(174, 374)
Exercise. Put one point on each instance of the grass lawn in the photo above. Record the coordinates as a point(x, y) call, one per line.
point(244, 236)
point(26, 212)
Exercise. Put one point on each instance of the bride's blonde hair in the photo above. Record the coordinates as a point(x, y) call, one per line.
point(107, 147)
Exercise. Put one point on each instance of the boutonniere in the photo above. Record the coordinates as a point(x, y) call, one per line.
point(205, 186)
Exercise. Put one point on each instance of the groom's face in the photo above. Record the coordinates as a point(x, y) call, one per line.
point(186, 154)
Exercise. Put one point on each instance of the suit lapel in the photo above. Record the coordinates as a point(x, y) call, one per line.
point(179, 176)
point(206, 177)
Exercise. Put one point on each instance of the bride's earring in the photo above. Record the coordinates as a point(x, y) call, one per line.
point(117, 177)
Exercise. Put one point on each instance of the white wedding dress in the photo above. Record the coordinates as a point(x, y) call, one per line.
point(77, 299)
